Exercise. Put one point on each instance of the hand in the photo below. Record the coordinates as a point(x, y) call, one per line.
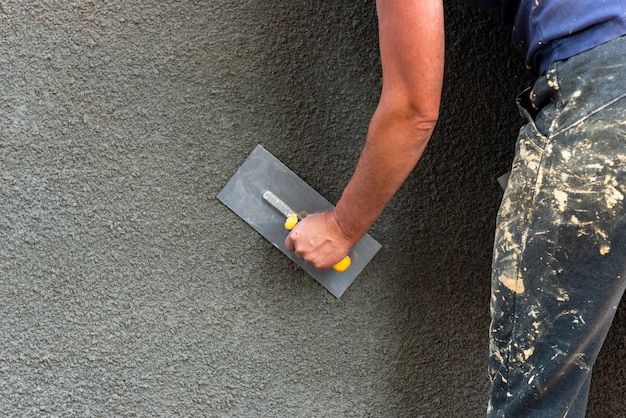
point(319, 240)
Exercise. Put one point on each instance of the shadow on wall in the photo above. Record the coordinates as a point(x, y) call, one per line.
point(446, 212)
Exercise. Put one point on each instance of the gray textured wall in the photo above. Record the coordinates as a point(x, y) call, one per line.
point(127, 289)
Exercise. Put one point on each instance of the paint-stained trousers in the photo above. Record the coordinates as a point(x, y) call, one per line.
point(559, 266)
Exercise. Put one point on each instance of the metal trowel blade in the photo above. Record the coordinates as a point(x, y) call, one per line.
point(243, 194)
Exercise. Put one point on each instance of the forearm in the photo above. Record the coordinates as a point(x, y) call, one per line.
point(393, 147)
point(412, 52)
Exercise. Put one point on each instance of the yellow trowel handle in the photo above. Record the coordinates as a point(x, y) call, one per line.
point(341, 266)
point(291, 222)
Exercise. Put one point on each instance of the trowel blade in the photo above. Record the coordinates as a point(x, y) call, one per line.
point(243, 194)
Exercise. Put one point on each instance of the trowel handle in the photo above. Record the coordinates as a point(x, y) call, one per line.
point(343, 264)
point(339, 267)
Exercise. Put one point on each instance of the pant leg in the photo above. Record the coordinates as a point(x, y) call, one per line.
point(559, 266)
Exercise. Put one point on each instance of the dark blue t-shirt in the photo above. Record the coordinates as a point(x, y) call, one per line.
point(550, 30)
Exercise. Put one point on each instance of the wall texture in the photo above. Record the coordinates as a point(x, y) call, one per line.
point(127, 289)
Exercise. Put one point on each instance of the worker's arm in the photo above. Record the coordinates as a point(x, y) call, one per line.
point(411, 36)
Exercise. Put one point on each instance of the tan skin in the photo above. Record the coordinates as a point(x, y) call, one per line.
point(411, 36)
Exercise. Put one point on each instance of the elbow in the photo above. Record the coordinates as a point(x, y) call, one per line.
point(415, 116)
point(424, 121)
point(419, 112)
point(422, 115)
point(404, 127)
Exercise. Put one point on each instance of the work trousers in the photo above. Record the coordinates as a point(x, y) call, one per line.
point(559, 263)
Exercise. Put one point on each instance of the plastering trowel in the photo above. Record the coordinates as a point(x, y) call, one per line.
point(272, 199)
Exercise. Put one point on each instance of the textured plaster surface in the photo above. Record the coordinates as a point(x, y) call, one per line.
point(127, 289)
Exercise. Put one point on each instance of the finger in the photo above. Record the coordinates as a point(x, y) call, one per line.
point(289, 244)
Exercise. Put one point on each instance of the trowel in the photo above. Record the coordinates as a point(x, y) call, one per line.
point(272, 199)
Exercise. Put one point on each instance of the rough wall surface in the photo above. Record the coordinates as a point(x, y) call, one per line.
point(127, 289)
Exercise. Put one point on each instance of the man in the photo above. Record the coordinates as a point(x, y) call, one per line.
point(559, 264)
